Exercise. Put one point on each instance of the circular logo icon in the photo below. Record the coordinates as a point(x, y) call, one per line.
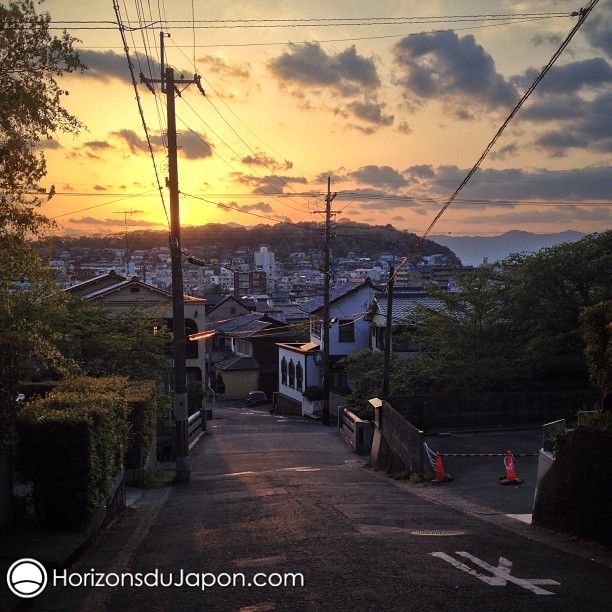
point(27, 578)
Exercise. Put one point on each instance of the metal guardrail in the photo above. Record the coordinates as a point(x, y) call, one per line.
point(195, 428)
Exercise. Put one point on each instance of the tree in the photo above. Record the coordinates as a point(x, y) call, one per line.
point(31, 59)
point(132, 343)
point(465, 339)
point(596, 322)
point(548, 290)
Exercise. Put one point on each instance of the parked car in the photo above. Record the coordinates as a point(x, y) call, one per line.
point(256, 398)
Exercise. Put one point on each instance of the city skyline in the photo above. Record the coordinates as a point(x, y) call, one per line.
point(393, 102)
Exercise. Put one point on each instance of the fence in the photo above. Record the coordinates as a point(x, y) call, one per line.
point(195, 427)
point(356, 431)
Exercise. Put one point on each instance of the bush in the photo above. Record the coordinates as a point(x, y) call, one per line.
point(72, 446)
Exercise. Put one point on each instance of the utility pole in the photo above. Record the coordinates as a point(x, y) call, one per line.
point(168, 86)
point(326, 288)
point(126, 256)
point(388, 335)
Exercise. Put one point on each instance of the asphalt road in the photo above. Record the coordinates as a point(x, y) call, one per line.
point(281, 501)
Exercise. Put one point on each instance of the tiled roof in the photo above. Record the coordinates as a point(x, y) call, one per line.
point(404, 309)
point(236, 362)
point(335, 293)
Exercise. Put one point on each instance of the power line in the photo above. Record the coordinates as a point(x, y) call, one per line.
point(140, 109)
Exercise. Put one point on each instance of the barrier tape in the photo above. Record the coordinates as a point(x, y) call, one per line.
point(487, 455)
point(430, 455)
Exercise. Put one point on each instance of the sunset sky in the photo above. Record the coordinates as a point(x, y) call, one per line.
point(394, 100)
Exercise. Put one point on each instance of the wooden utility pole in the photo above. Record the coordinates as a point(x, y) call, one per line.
point(326, 288)
point(168, 86)
point(183, 472)
point(388, 334)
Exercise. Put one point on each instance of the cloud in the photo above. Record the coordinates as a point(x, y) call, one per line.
point(371, 112)
point(591, 129)
point(269, 185)
point(107, 65)
point(444, 66)
point(383, 176)
point(598, 28)
point(569, 78)
point(219, 66)
point(113, 222)
point(48, 143)
point(98, 145)
point(263, 159)
point(346, 73)
point(577, 184)
point(192, 145)
point(567, 215)
point(259, 206)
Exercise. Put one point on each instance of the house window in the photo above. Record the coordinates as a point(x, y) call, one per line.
point(299, 376)
point(346, 330)
point(283, 371)
point(291, 374)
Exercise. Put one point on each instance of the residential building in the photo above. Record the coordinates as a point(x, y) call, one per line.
point(299, 365)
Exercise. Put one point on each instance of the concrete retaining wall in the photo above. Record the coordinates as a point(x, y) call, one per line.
point(575, 495)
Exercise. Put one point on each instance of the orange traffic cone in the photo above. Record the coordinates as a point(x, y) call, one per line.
point(510, 477)
point(441, 476)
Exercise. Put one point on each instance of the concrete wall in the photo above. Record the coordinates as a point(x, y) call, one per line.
point(575, 495)
point(440, 411)
point(397, 445)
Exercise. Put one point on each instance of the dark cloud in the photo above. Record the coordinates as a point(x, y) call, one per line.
point(97, 145)
point(383, 176)
point(106, 65)
point(371, 112)
point(219, 66)
point(259, 207)
point(99, 188)
point(598, 28)
point(269, 185)
point(262, 159)
point(569, 78)
point(48, 144)
point(347, 72)
point(505, 151)
point(558, 215)
point(110, 65)
point(191, 144)
point(443, 65)
point(113, 222)
point(591, 183)
point(592, 129)
point(422, 171)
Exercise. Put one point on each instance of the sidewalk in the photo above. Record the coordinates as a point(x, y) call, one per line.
point(270, 493)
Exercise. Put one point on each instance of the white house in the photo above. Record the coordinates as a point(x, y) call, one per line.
point(299, 364)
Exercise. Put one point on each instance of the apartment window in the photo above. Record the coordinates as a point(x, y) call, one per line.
point(291, 374)
point(346, 330)
point(283, 371)
point(299, 376)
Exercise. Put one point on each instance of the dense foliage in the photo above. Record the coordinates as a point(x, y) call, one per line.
point(72, 445)
point(525, 325)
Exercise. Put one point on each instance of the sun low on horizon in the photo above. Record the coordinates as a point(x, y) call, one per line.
point(393, 103)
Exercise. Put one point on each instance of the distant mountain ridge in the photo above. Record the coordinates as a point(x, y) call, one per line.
point(472, 250)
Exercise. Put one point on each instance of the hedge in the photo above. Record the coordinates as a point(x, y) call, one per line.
point(73, 443)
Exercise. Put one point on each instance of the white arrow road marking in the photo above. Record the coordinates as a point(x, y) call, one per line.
point(501, 573)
